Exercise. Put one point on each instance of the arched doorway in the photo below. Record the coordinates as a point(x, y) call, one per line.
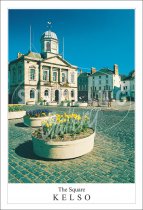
point(57, 95)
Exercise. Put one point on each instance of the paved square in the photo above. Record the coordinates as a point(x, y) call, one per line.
point(111, 160)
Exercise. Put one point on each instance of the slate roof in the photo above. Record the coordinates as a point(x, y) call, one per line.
point(84, 74)
point(104, 71)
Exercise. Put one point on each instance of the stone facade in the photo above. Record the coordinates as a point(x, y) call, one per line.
point(83, 87)
point(128, 87)
point(104, 84)
point(43, 75)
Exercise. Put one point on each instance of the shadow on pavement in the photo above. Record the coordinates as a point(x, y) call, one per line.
point(21, 125)
point(25, 150)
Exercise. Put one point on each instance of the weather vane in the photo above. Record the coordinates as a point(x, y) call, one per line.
point(49, 25)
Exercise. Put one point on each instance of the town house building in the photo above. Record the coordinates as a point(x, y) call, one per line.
point(83, 85)
point(128, 87)
point(104, 84)
point(43, 75)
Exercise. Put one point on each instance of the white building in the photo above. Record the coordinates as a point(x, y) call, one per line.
point(43, 75)
point(104, 84)
point(128, 87)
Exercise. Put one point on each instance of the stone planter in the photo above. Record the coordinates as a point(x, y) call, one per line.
point(83, 104)
point(52, 103)
point(63, 150)
point(35, 121)
point(16, 115)
point(30, 102)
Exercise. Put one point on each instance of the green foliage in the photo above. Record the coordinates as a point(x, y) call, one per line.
point(15, 107)
point(72, 124)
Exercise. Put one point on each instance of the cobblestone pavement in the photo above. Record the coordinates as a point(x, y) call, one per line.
point(111, 160)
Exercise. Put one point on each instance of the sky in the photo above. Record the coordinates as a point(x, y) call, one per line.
point(92, 38)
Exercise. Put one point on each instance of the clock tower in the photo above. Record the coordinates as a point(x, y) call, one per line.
point(49, 44)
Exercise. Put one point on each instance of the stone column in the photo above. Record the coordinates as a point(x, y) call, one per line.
point(39, 81)
point(59, 76)
point(50, 74)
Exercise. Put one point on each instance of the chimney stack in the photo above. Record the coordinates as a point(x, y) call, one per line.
point(93, 70)
point(19, 55)
point(116, 69)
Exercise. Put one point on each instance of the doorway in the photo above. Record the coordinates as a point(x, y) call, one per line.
point(57, 95)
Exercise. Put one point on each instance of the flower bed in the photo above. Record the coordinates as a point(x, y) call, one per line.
point(34, 118)
point(15, 111)
point(64, 137)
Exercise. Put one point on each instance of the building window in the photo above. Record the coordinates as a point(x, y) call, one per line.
point(32, 74)
point(32, 94)
point(99, 77)
point(65, 92)
point(95, 88)
point(99, 88)
point(48, 46)
point(46, 93)
point(106, 76)
point(54, 76)
point(72, 93)
point(106, 81)
point(46, 75)
point(14, 76)
point(99, 82)
point(72, 77)
point(106, 87)
point(109, 87)
point(19, 74)
point(63, 77)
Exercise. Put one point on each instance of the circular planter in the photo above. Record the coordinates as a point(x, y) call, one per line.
point(63, 150)
point(16, 115)
point(35, 121)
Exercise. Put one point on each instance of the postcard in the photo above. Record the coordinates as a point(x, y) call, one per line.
point(71, 91)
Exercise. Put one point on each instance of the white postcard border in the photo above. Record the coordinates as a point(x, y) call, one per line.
point(24, 190)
